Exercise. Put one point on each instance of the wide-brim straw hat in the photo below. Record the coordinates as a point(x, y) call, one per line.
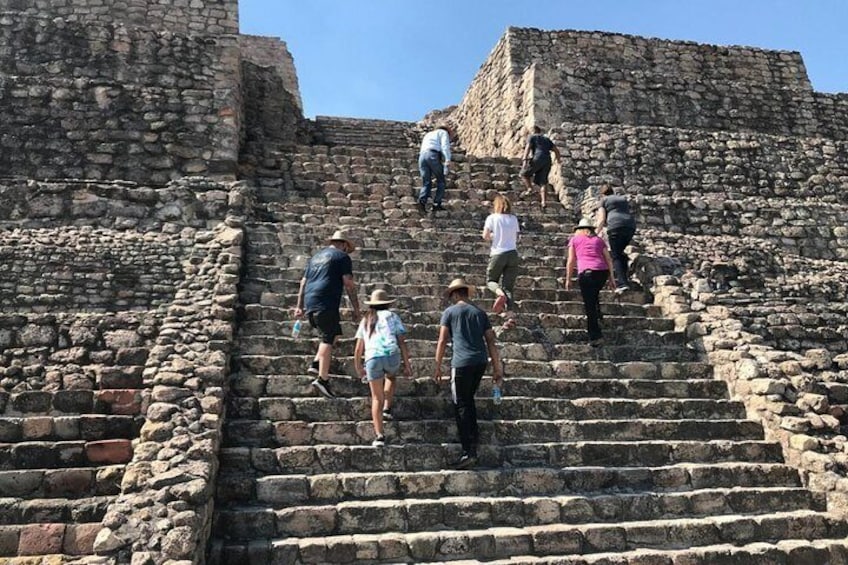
point(585, 224)
point(458, 283)
point(379, 298)
point(339, 235)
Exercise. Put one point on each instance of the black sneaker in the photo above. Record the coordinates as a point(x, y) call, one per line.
point(313, 368)
point(379, 441)
point(422, 207)
point(438, 208)
point(323, 387)
point(467, 461)
point(387, 415)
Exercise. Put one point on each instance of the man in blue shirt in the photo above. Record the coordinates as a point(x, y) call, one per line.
point(537, 163)
point(328, 272)
point(468, 327)
point(434, 160)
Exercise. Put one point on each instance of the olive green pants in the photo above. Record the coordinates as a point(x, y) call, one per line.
point(501, 274)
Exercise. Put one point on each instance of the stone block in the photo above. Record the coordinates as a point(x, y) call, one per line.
point(41, 539)
point(109, 452)
point(79, 538)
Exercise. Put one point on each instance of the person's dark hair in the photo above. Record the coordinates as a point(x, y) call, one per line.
point(462, 293)
point(606, 190)
point(371, 317)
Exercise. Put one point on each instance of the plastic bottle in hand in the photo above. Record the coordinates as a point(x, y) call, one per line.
point(497, 395)
point(296, 328)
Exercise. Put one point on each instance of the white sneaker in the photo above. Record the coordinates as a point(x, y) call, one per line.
point(379, 441)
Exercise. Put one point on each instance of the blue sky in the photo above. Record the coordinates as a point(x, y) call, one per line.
point(399, 59)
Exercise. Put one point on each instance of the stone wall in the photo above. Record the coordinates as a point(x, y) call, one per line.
point(546, 78)
point(209, 17)
point(81, 100)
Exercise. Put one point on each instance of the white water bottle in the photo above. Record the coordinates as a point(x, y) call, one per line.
point(497, 395)
point(296, 328)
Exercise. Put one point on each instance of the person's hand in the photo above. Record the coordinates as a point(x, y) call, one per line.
point(298, 313)
point(567, 282)
point(437, 374)
point(611, 283)
point(445, 169)
point(497, 375)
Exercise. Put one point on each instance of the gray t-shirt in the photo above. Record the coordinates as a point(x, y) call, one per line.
point(618, 212)
point(467, 325)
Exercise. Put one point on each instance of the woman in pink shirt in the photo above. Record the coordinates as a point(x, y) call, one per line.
point(590, 255)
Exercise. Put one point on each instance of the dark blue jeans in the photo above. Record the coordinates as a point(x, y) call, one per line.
point(591, 283)
point(619, 238)
point(430, 165)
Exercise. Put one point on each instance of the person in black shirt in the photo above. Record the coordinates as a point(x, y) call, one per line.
point(536, 165)
point(328, 273)
point(614, 214)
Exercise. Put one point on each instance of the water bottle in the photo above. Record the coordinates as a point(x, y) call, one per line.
point(497, 395)
point(296, 328)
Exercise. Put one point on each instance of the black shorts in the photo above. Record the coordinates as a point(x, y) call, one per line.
point(328, 322)
point(539, 170)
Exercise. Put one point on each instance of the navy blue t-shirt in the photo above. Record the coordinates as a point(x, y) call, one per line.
point(541, 147)
point(467, 325)
point(324, 279)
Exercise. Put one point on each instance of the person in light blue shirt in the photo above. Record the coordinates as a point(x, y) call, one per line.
point(434, 161)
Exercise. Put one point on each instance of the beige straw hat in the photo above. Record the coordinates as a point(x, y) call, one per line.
point(458, 283)
point(340, 235)
point(379, 298)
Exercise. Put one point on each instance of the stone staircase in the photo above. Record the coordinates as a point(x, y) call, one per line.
point(627, 453)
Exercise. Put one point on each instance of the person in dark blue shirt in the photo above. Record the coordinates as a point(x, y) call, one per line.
point(536, 164)
point(328, 273)
point(468, 328)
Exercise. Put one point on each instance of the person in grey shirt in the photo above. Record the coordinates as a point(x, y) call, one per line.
point(468, 327)
point(614, 214)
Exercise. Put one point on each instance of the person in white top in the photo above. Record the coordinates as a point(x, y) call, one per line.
point(434, 161)
point(380, 341)
point(501, 228)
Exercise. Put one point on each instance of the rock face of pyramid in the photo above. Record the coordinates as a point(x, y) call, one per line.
point(162, 193)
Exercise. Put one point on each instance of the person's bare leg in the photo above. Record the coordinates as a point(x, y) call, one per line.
point(389, 393)
point(377, 405)
point(542, 195)
point(324, 356)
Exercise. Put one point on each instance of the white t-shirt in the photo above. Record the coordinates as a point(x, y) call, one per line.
point(383, 342)
point(504, 228)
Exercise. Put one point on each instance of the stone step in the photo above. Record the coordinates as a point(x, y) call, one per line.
point(283, 490)
point(245, 387)
point(119, 401)
point(319, 409)
point(424, 457)
point(561, 539)
point(516, 343)
point(62, 454)
point(240, 431)
point(460, 513)
point(89, 427)
point(48, 543)
point(530, 312)
point(425, 325)
point(283, 364)
point(429, 297)
point(53, 510)
point(70, 482)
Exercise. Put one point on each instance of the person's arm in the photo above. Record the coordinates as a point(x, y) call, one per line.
point(528, 151)
point(357, 357)
point(555, 150)
point(444, 141)
point(487, 230)
point(444, 335)
point(494, 355)
point(350, 287)
point(569, 267)
point(298, 310)
point(608, 257)
point(600, 218)
point(404, 353)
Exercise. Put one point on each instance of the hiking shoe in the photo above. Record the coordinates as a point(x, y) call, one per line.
point(466, 461)
point(387, 415)
point(438, 208)
point(379, 441)
point(597, 342)
point(621, 289)
point(323, 387)
point(313, 368)
point(422, 207)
